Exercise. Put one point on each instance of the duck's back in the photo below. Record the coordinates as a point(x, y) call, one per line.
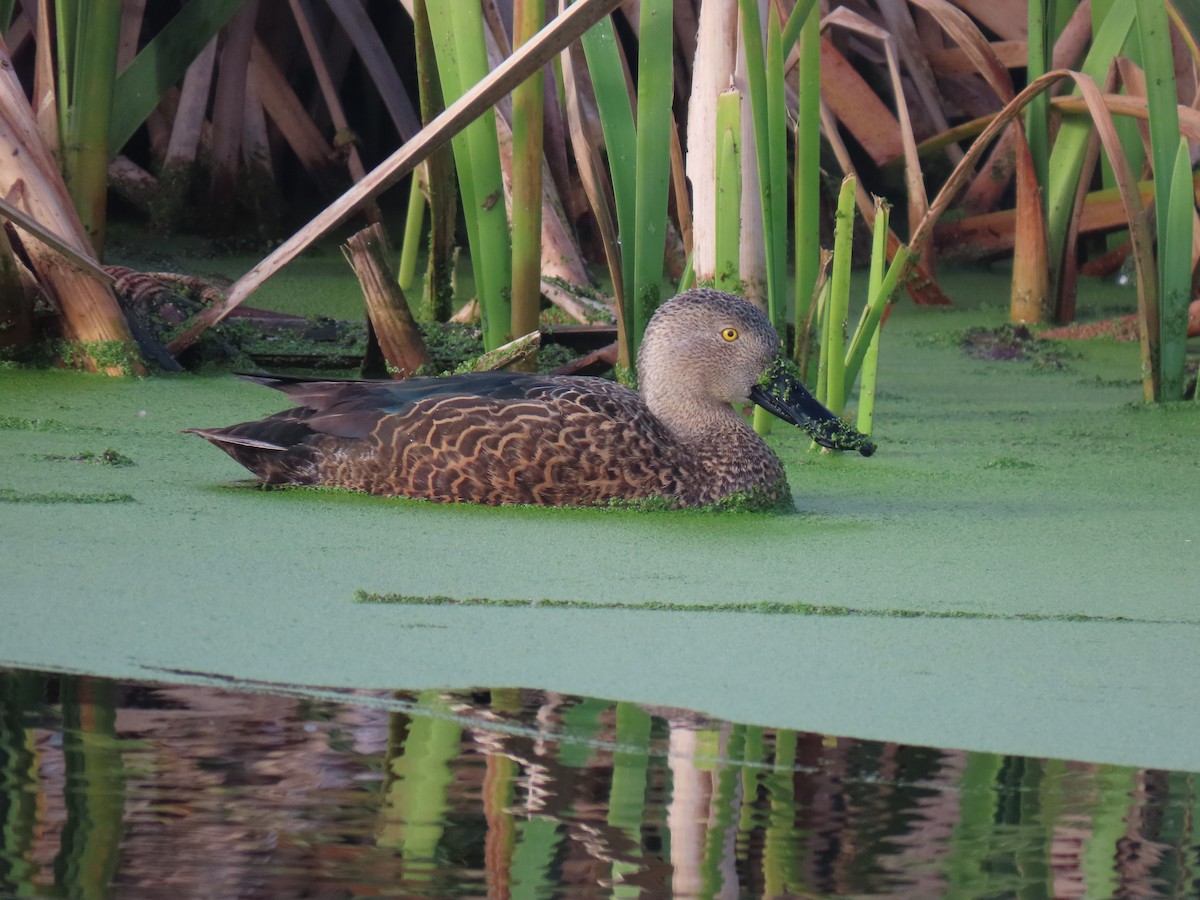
point(493, 438)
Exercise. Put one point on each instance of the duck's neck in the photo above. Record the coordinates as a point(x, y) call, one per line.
point(696, 424)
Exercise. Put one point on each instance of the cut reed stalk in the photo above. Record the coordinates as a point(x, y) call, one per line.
point(387, 308)
point(515, 354)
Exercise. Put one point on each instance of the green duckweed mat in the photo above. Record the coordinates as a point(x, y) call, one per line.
point(1016, 570)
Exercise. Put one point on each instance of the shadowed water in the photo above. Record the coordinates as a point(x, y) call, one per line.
point(175, 791)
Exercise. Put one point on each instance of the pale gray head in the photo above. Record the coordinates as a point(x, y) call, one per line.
point(702, 351)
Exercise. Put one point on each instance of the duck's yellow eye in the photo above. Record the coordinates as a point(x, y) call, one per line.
point(730, 334)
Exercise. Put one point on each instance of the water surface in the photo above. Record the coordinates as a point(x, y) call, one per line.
point(138, 789)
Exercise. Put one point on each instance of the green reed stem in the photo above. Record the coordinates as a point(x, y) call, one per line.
point(775, 216)
point(759, 62)
point(1070, 145)
point(763, 97)
point(1037, 64)
point(1175, 266)
point(87, 71)
point(462, 62)
point(162, 62)
point(607, 72)
point(877, 304)
point(729, 191)
point(414, 222)
point(816, 307)
point(655, 90)
point(1172, 192)
point(808, 167)
point(527, 117)
point(870, 364)
point(687, 280)
point(833, 347)
point(1127, 127)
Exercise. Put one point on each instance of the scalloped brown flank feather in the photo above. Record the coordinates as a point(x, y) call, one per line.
point(506, 438)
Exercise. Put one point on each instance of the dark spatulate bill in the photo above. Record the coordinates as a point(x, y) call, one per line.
point(782, 394)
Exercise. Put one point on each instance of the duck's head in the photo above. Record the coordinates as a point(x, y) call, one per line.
point(704, 350)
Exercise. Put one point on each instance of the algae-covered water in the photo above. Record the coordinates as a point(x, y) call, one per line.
point(1015, 570)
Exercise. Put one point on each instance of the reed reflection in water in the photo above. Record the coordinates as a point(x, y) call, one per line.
point(154, 790)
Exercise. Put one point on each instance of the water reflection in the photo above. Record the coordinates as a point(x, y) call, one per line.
point(153, 790)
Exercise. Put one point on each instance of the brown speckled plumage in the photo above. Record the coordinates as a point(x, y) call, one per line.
point(502, 437)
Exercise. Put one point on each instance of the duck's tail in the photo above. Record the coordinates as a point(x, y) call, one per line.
point(273, 460)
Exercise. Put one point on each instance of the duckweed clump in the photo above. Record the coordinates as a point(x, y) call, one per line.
point(1008, 462)
point(16, 423)
point(1013, 342)
point(449, 343)
point(9, 495)
point(107, 457)
point(756, 607)
point(105, 354)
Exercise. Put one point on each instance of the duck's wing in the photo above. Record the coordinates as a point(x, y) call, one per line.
point(350, 408)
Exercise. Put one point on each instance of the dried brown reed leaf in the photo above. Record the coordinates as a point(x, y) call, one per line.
point(914, 180)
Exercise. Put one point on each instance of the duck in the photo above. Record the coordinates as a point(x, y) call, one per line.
point(501, 438)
